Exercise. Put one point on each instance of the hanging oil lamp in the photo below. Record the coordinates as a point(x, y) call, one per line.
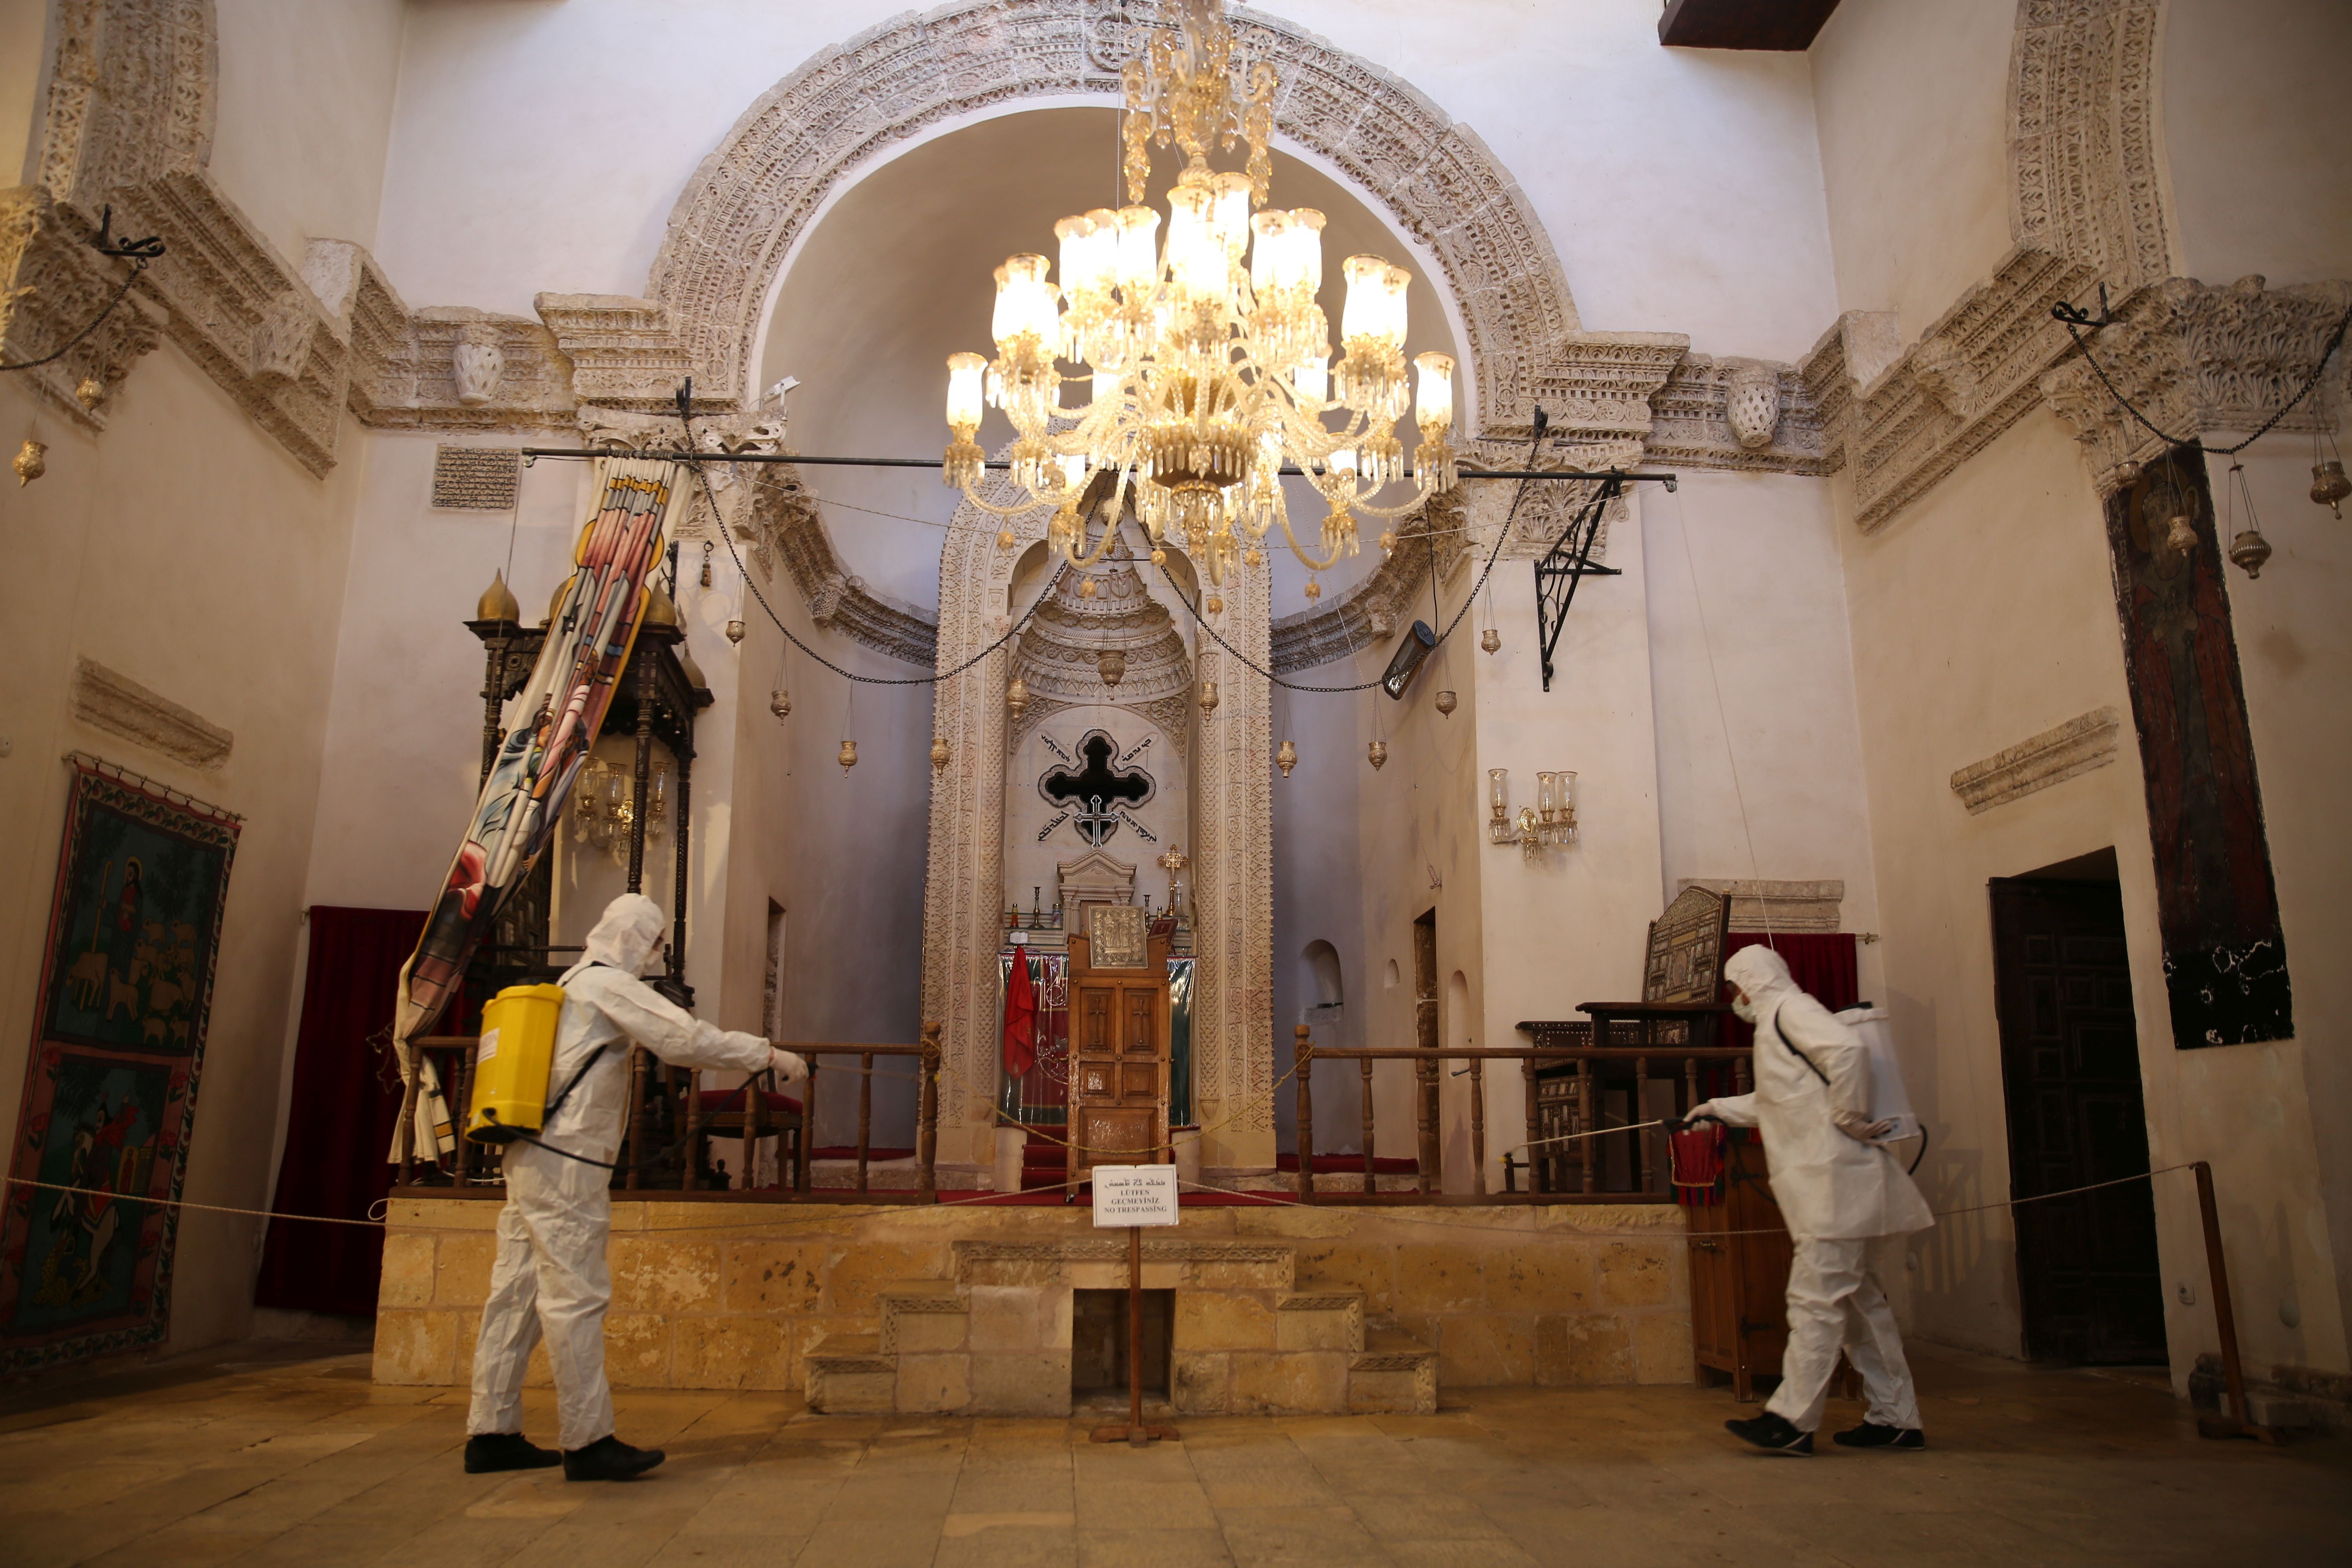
point(1286, 757)
point(848, 757)
point(2248, 548)
point(939, 753)
point(779, 702)
point(1111, 665)
point(1491, 640)
point(735, 632)
point(1445, 703)
point(1016, 698)
point(2328, 485)
point(1378, 754)
point(32, 461)
point(1208, 698)
point(2180, 536)
point(705, 564)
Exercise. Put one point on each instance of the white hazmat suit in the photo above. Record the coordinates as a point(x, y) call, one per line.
point(550, 1277)
point(1836, 1192)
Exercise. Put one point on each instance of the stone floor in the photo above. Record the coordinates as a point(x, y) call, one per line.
point(278, 1454)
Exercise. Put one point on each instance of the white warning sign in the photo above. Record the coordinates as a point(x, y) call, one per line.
point(1134, 1194)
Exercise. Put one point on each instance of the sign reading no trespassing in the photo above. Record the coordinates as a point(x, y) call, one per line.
point(1134, 1194)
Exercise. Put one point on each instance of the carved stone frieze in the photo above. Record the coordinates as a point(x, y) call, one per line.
point(130, 96)
point(433, 369)
point(2195, 358)
point(2057, 753)
point(1772, 905)
point(1743, 413)
point(1975, 373)
point(624, 352)
point(52, 285)
point(2084, 181)
point(1057, 654)
point(113, 701)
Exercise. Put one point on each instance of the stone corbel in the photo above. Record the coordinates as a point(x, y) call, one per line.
point(2195, 358)
point(623, 351)
point(1851, 355)
point(1741, 413)
point(52, 285)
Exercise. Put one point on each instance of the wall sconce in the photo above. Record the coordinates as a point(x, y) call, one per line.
point(1551, 822)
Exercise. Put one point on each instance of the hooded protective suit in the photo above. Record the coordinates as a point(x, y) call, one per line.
point(1835, 1191)
point(550, 1275)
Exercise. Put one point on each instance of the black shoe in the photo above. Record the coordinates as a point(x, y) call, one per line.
point(608, 1459)
point(489, 1451)
point(1870, 1435)
point(1769, 1431)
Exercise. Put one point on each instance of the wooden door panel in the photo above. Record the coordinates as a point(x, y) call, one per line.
point(1120, 1077)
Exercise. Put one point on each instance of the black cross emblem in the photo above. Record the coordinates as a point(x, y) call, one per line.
point(1098, 789)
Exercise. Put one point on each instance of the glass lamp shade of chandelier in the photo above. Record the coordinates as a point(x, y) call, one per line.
point(1204, 361)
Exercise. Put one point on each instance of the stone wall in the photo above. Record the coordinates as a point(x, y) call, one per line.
point(709, 1294)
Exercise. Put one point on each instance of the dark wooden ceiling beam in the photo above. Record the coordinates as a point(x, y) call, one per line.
point(1743, 23)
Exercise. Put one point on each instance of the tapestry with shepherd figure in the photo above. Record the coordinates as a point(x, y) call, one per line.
point(110, 1090)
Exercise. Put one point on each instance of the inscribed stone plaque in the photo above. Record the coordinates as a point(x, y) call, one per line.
point(1115, 936)
point(475, 479)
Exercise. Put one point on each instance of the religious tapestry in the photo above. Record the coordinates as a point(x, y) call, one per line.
point(111, 1091)
point(2217, 907)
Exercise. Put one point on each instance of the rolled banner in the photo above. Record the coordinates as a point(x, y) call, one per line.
point(550, 726)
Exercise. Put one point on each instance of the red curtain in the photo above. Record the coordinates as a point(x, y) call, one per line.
point(346, 1101)
point(1822, 964)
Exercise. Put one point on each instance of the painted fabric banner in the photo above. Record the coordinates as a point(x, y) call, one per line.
point(551, 725)
point(111, 1091)
point(2216, 903)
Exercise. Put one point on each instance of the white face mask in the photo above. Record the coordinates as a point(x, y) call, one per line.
point(1742, 1009)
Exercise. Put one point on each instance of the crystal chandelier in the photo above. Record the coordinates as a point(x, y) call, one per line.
point(1204, 362)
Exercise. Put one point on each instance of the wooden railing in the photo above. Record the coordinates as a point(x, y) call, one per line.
point(1563, 1160)
point(667, 1124)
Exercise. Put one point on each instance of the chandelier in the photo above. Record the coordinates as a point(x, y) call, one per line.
point(1205, 364)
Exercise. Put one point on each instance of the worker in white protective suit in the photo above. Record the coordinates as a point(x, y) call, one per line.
point(1838, 1190)
point(551, 1279)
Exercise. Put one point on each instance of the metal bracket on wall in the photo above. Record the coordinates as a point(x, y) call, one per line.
point(1567, 563)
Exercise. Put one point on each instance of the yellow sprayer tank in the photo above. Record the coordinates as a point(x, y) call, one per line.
point(510, 1071)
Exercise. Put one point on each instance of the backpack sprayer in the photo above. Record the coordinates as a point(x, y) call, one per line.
point(512, 1066)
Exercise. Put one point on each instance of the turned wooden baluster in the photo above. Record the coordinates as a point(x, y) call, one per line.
point(864, 1114)
point(1478, 1126)
point(1425, 1103)
point(636, 1115)
point(800, 1178)
point(1306, 1058)
point(1638, 1109)
point(1536, 1149)
point(1370, 1183)
point(1584, 1146)
point(927, 1114)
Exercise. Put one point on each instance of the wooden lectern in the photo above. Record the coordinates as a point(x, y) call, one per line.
point(1119, 1042)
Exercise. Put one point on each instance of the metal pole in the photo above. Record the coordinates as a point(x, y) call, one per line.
point(1135, 1436)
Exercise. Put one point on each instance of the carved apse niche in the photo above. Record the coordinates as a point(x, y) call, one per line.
point(1098, 764)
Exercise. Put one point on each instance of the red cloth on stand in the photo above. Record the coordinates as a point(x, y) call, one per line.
point(1821, 963)
point(1019, 1018)
point(346, 1101)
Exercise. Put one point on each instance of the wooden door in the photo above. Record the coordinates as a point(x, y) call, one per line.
point(1118, 1060)
point(2087, 1269)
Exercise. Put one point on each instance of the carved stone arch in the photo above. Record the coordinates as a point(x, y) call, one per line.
point(2086, 179)
point(755, 195)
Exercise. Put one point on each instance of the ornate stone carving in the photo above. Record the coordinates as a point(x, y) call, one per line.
point(622, 351)
point(2084, 183)
point(1700, 408)
point(2195, 358)
point(52, 286)
point(781, 519)
point(478, 362)
point(753, 196)
point(120, 705)
point(2075, 747)
point(1056, 653)
point(130, 96)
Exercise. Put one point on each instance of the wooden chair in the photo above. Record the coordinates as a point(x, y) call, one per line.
point(777, 1115)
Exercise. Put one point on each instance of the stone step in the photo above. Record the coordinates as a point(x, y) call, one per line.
point(848, 1374)
point(921, 1316)
point(1393, 1373)
point(1319, 1320)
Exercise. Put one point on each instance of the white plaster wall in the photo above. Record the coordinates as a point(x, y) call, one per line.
point(1759, 747)
point(1681, 188)
point(186, 550)
point(1570, 927)
point(305, 109)
point(1319, 889)
point(2256, 129)
point(24, 30)
point(1910, 97)
point(1994, 594)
